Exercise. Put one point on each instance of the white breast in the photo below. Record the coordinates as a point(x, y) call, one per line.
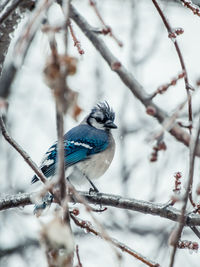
point(94, 167)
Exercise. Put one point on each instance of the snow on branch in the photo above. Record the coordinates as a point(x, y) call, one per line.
point(145, 207)
point(10, 16)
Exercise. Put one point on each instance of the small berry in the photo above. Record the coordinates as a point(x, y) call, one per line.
point(76, 212)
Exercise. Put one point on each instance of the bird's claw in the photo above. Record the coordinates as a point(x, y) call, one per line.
point(93, 190)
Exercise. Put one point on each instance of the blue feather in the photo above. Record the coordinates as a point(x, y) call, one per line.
point(79, 144)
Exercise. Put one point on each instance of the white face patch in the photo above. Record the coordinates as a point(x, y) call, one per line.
point(81, 144)
point(96, 124)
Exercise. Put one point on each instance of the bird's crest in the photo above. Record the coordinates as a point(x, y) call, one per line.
point(104, 108)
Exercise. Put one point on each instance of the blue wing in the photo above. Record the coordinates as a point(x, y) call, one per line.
point(79, 144)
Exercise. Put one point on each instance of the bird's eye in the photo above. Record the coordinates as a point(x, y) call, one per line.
point(98, 120)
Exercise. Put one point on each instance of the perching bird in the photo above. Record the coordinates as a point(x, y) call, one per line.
point(89, 148)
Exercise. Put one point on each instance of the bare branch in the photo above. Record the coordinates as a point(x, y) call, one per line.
point(123, 247)
point(107, 29)
point(195, 9)
point(20, 200)
point(171, 35)
point(196, 231)
point(163, 88)
point(23, 153)
point(188, 194)
point(77, 43)
point(8, 22)
point(116, 201)
point(78, 257)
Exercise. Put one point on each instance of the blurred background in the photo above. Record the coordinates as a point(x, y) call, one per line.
point(150, 56)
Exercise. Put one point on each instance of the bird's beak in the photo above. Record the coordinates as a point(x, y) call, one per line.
point(110, 124)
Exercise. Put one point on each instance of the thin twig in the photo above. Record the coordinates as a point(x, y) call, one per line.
point(23, 153)
point(76, 41)
point(194, 8)
point(83, 224)
point(193, 147)
point(163, 88)
point(195, 230)
point(78, 257)
point(170, 31)
point(107, 29)
point(169, 122)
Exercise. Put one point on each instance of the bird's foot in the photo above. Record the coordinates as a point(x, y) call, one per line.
point(96, 193)
point(94, 190)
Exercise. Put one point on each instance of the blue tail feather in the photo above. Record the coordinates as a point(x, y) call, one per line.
point(34, 179)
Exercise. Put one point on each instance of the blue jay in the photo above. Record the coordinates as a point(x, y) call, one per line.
point(89, 148)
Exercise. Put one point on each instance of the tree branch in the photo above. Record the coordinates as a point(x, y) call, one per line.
point(123, 247)
point(19, 149)
point(116, 201)
point(188, 193)
point(127, 78)
point(9, 19)
point(170, 31)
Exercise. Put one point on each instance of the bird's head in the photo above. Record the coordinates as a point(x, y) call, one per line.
point(102, 117)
